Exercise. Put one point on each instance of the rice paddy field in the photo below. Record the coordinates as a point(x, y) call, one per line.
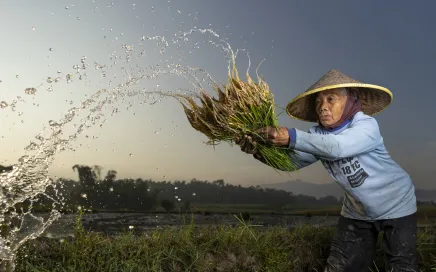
point(425, 210)
point(219, 247)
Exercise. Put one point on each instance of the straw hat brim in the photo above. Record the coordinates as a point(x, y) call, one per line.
point(374, 99)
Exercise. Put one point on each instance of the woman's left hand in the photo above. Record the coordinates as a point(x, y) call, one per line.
point(275, 137)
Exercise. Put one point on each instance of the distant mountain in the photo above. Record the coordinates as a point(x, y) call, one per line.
point(298, 187)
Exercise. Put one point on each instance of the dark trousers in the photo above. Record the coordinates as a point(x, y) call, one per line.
point(354, 244)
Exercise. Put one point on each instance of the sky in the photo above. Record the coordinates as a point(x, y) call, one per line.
point(297, 42)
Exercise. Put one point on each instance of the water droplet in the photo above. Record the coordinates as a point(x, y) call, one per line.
point(3, 104)
point(22, 121)
point(50, 49)
point(31, 146)
point(193, 194)
point(53, 123)
point(131, 227)
point(164, 176)
point(17, 76)
point(30, 90)
point(49, 89)
point(156, 132)
point(84, 195)
point(130, 155)
point(50, 80)
point(111, 189)
point(175, 188)
point(68, 77)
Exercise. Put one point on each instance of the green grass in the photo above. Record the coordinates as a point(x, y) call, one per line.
point(213, 248)
point(426, 210)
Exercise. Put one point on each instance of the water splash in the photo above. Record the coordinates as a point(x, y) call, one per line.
point(29, 179)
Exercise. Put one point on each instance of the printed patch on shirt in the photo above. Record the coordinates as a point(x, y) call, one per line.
point(357, 178)
point(350, 168)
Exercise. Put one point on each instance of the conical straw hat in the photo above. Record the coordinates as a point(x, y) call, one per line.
point(374, 98)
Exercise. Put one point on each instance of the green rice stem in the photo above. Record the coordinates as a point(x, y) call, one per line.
point(242, 109)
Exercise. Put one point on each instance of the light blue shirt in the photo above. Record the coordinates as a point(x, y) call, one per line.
point(375, 186)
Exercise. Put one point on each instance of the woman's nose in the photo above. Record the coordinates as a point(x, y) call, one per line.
point(322, 106)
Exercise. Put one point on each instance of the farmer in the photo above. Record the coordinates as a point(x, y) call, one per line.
point(379, 194)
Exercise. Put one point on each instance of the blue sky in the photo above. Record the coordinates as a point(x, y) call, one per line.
point(372, 41)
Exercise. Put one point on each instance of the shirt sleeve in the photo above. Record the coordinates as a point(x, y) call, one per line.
point(301, 158)
point(362, 137)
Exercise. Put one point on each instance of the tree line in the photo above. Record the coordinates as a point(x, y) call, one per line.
point(106, 192)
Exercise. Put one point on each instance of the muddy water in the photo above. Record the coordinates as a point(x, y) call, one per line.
point(114, 223)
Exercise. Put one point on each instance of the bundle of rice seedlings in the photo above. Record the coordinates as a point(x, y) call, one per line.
point(242, 107)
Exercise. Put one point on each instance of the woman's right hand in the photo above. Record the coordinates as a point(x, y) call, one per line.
point(248, 145)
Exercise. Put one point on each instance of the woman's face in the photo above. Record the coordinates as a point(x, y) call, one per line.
point(330, 105)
